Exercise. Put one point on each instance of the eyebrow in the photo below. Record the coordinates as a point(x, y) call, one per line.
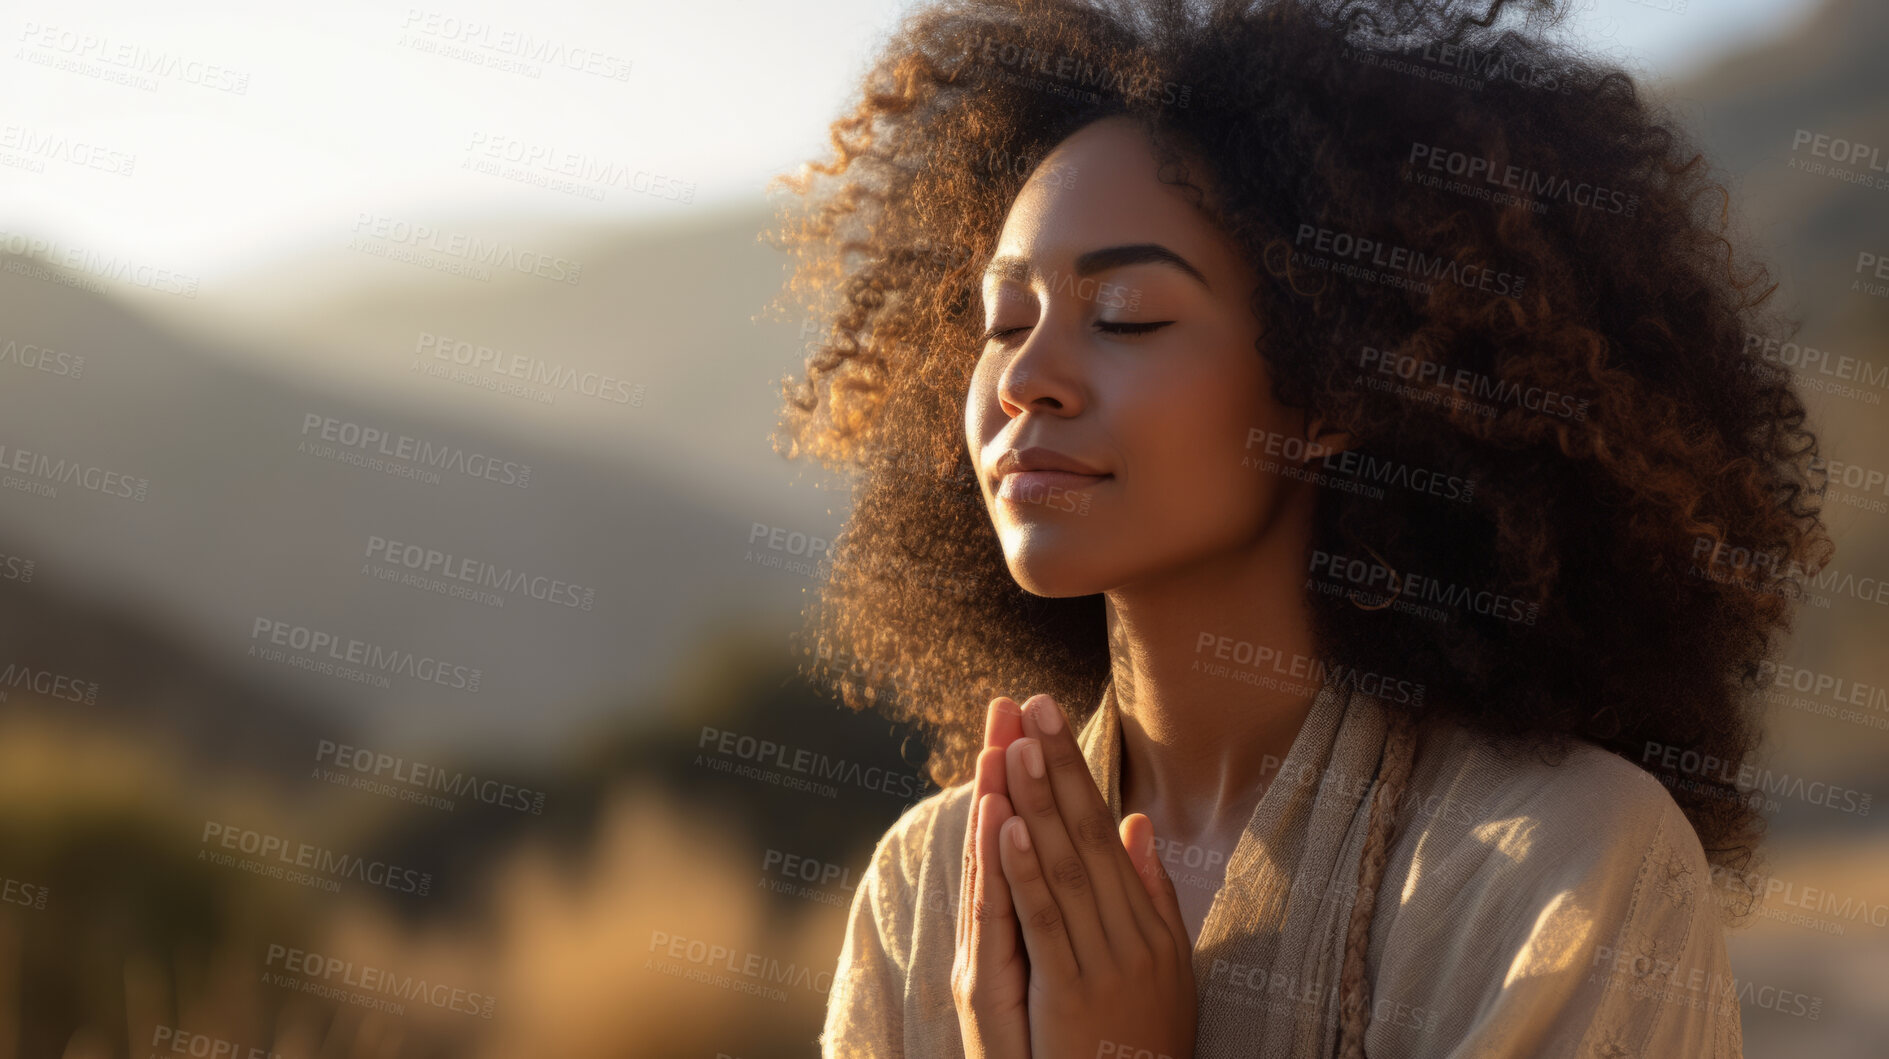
point(1021, 269)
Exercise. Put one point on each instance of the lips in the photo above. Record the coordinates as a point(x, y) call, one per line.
point(1037, 475)
point(1038, 458)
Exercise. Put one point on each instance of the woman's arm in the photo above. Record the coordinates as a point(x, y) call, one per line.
point(865, 1011)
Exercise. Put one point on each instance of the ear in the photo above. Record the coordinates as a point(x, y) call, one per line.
point(1323, 438)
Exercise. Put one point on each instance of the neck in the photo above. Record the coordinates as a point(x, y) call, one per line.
point(1199, 744)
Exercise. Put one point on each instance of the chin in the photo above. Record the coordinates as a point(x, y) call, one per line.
point(1052, 572)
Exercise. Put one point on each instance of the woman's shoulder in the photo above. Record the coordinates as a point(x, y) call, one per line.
point(1552, 894)
point(1573, 804)
point(925, 841)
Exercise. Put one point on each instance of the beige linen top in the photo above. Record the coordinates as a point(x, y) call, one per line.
point(1527, 909)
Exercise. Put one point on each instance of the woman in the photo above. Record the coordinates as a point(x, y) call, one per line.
point(1319, 432)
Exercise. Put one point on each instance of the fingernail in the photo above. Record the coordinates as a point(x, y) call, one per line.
point(1048, 717)
point(1033, 759)
point(1020, 835)
point(1007, 705)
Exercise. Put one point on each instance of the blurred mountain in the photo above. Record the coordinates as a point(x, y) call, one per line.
point(673, 308)
point(1826, 79)
point(237, 526)
point(74, 656)
point(1758, 112)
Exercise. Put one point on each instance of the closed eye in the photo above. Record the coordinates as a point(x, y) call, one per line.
point(1113, 327)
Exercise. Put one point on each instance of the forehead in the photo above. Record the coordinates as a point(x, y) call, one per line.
point(1098, 187)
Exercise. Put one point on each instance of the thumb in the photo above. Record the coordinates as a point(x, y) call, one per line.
point(1138, 837)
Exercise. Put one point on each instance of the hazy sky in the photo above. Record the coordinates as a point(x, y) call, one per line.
point(274, 131)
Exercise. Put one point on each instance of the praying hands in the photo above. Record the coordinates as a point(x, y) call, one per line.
point(1070, 943)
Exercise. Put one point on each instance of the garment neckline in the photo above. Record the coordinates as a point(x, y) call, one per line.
point(1312, 747)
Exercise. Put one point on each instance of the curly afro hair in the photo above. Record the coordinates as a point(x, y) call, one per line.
point(1601, 395)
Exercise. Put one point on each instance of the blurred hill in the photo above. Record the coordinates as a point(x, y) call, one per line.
point(1747, 107)
point(237, 524)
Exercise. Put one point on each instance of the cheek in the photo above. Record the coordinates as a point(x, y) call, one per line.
point(1201, 414)
point(1186, 436)
point(981, 419)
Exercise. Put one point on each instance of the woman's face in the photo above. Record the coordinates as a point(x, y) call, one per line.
point(1126, 345)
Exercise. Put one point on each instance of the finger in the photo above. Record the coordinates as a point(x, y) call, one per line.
point(1138, 839)
point(1069, 879)
point(1003, 722)
point(1139, 847)
point(994, 942)
point(1004, 725)
point(1044, 935)
point(989, 779)
point(1089, 823)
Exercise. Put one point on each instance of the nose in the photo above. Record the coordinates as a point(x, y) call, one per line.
point(1044, 374)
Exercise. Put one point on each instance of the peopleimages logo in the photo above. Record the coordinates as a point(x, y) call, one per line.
point(36, 146)
point(310, 642)
point(40, 358)
point(395, 776)
point(1846, 160)
point(1816, 369)
point(1824, 694)
point(807, 879)
point(492, 152)
point(169, 1040)
point(1416, 263)
point(275, 854)
point(468, 571)
point(1748, 779)
point(137, 65)
point(528, 370)
point(766, 752)
point(369, 446)
point(326, 975)
point(477, 253)
point(1079, 73)
point(1484, 391)
point(1349, 469)
point(1529, 183)
point(32, 471)
point(1409, 587)
point(1459, 65)
point(115, 267)
point(24, 894)
point(1316, 672)
point(484, 37)
point(17, 568)
point(758, 969)
point(1811, 906)
point(45, 682)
